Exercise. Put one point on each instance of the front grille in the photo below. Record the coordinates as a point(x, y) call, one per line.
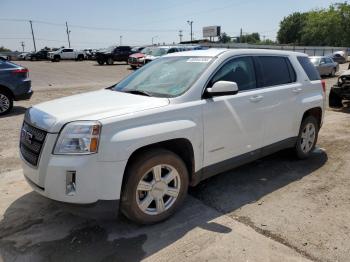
point(31, 143)
point(132, 60)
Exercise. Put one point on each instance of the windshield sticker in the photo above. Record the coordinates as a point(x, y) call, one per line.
point(199, 60)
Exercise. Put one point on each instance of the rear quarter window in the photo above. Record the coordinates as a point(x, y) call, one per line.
point(274, 70)
point(309, 68)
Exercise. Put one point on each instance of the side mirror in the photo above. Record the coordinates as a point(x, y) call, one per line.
point(222, 88)
point(322, 62)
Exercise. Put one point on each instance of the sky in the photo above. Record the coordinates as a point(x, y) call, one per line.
point(102, 23)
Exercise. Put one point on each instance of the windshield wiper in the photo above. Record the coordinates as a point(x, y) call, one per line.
point(138, 92)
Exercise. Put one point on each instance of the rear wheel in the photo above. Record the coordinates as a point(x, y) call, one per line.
point(100, 62)
point(156, 185)
point(307, 137)
point(6, 102)
point(335, 101)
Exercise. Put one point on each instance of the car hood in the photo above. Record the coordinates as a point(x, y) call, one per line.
point(137, 55)
point(97, 105)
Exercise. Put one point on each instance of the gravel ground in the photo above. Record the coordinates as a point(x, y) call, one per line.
point(275, 209)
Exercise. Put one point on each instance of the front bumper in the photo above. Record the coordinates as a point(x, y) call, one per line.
point(94, 180)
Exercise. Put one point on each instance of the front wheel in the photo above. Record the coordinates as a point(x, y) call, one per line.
point(156, 185)
point(100, 62)
point(307, 137)
point(110, 61)
point(6, 102)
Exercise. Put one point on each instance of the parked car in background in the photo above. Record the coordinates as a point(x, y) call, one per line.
point(325, 65)
point(340, 91)
point(138, 59)
point(112, 54)
point(15, 85)
point(160, 51)
point(137, 49)
point(339, 58)
point(40, 55)
point(169, 125)
point(22, 56)
point(66, 54)
point(163, 50)
point(4, 57)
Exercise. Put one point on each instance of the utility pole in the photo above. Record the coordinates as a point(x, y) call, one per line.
point(190, 23)
point(22, 44)
point(240, 35)
point(68, 33)
point(180, 35)
point(31, 26)
point(120, 40)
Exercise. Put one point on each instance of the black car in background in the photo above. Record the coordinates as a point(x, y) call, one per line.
point(40, 55)
point(113, 53)
point(14, 85)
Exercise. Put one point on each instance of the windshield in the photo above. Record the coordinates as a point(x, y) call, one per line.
point(165, 77)
point(315, 60)
point(108, 49)
point(158, 51)
point(147, 50)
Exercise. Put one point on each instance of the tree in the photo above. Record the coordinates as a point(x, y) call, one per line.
point(3, 49)
point(252, 38)
point(291, 28)
point(224, 38)
point(323, 28)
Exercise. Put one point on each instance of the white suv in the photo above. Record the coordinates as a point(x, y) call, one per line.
point(180, 119)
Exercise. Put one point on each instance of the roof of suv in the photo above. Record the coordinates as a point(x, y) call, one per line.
point(214, 52)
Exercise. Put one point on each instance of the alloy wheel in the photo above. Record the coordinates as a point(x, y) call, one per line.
point(308, 136)
point(158, 189)
point(4, 103)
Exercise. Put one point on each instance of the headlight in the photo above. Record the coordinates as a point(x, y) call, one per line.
point(141, 59)
point(81, 137)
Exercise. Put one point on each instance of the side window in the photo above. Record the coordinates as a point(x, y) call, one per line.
point(329, 61)
point(67, 50)
point(323, 61)
point(172, 50)
point(309, 68)
point(275, 70)
point(239, 70)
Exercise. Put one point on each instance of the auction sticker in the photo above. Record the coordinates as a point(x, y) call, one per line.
point(199, 60)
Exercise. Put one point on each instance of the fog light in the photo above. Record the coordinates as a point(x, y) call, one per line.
point(70, 183)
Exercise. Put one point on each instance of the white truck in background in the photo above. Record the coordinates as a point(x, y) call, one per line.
point(66, 54)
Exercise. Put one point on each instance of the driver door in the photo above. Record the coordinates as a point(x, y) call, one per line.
point(233, 124)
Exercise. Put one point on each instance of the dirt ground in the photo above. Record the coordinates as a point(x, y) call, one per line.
point(275, 209)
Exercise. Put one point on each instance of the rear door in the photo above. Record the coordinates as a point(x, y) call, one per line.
point(277, 81)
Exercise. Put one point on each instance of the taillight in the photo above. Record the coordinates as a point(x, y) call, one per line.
point(21, 71)
point(323, 86)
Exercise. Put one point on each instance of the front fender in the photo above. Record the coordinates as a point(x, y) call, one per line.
point(123, 143)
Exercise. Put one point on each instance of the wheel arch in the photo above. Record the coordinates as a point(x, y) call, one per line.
point(7, 90)
point(180, 146)
point(315, 112)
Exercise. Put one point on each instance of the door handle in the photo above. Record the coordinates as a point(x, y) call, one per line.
point(297, 90)
point(256, 98)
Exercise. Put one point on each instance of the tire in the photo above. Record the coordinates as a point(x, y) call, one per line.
point(141, 169)
point(6, 102)
point(100, 62)
point(110, 61)
point(307, 137)
point(57, 58)
point(133, 67)
point(334, 100)
point(80, 58)
point(332, 74)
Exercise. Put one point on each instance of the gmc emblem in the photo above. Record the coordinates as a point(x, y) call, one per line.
point(26, 136)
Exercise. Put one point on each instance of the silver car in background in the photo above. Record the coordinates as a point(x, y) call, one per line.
point(325, 65)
